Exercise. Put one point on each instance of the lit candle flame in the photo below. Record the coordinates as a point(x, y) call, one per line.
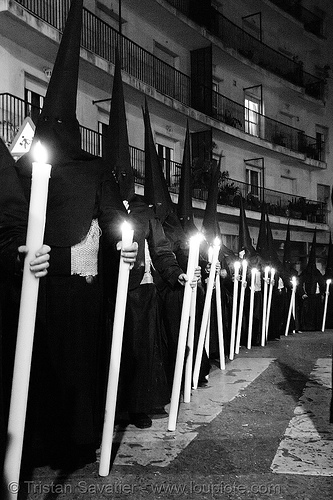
point(40, 153)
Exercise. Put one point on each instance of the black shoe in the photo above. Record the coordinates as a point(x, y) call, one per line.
point(202, 382)
point(140, 420)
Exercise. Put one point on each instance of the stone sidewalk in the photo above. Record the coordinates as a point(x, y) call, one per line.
point(258, 430)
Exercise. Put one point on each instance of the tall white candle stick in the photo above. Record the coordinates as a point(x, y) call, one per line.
point(264, 307)
point(207, 337)
point(292, 299)
point(190, 347)
point(219, 321)
point(241, 305)
point(115, 356)
point(26, 323)
point(234, 310)
point(269, 302)
point(327, 292)
point(249, 332)
point(184, 323)
point(205, 313)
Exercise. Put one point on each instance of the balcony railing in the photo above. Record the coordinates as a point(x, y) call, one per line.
point(101, 39)
point(253, 49)
point(311, 21)
point(258, 125)
point(13, 111)
point(280, 204)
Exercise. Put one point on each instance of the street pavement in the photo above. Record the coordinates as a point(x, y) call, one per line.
point(259, 429)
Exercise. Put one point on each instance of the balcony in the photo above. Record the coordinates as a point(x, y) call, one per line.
point(100, 38)
point(312, 23)
point(278, 204)
point(13, 111)
point(258, 125)
point(253, 49)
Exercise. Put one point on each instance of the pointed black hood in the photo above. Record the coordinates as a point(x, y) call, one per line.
point(75, 174)
point(156, 191)
point(184, 206)
point(210, 226)
point(57, 127)
point(329, 263)
point(262, 235)
point(116, 152)
point(287, 251)
point(244, 242)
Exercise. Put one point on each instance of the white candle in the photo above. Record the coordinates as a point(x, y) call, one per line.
point(270, 292)
point(249, 332)
point(190, 346)
point(219, 321)
point(234, 309)
point(327, 292)
point(264, 307)
point(27, 316)
point(292, 298)
point(206, 311)
point(184, 323)
point(241, 305)
point(115, 356)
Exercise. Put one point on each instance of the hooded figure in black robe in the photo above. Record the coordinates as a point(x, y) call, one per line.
point(84, 206)
point(312, 288)
point(156, 195)
point(329, 275)
point(247, 251)
point(142, 384)
point(278, 308)
point(289, 272)
point(211, 231)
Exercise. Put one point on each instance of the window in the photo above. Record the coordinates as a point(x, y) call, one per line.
point(321, 142)
point(33, 104)
point(102, 130)
point(253, 178)
point(323, 192)
point(253, 108)
point(253, 173)
point(252, 117)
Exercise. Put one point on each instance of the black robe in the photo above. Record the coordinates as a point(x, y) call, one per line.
point(143, 384)
point(62, 416)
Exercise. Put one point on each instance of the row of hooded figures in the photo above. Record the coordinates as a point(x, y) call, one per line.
point(77, 268)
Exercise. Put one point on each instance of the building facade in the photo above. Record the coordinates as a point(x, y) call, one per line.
point(251, 78)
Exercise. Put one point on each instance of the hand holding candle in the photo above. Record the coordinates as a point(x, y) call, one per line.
point(234, 309)
point(241, 305)
point(249, 333)
point(27, 315)
point(116, 347)
point(204, 330)
point(184, 323)
point(264, 307)
point(269, 302)
point(327, 292)
point(292, 299)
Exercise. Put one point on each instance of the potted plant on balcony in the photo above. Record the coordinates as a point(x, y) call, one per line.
point(201, 173)
point(227, 189)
